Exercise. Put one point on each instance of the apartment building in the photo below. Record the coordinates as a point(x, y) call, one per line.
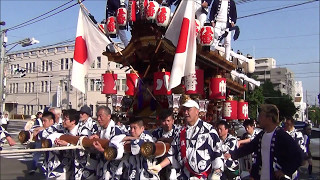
point(47, 78)
point(283, 80)
point(263, 67)
point(299, 102)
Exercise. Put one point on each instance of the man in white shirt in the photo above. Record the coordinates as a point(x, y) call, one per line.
point(5, 121)
point(278, 156)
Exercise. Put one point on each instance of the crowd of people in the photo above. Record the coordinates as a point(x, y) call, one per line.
point(199, 150)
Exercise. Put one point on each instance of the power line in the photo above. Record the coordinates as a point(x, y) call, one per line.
point(277, 9)
point(281, 37)
point(16, 26)
point(291, 64)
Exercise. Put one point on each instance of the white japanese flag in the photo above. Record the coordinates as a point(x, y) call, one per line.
point(182, 33)
point(90, 43)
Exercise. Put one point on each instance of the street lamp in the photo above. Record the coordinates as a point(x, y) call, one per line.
point(3, 43)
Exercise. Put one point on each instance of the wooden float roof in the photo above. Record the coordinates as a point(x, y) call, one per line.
point(140, 54)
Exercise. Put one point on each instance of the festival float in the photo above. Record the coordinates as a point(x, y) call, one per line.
point(217, 84)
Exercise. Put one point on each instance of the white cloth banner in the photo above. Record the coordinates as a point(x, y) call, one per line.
point(182, 33)
point(90, 43)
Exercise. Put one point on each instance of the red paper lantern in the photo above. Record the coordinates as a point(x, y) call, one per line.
point(243, 110)
point(161, 83)
point(132, 84)
point(122, 17)
point(143, 8)
point(109, 83)
point(218, 88)
point(111, 26)
point(230, 110)
point(194, 83)
point(132, 11)
point(163, 16)
point(206, 35)
point(152, 10)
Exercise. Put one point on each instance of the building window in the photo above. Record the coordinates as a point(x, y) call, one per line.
point(17, 88)
point(26, 67)
point(50, 65)
point(123, 84)
point(98, 84)
point(24, 109)
point(91, 84)
point(93, 65)
point(30, 68)
point(29, 87)
point(42, 66)
point(32, 87)
point(42, 86)
point(47, 66)
point(25, 87)
point(46, 86)
point(98, 62)
point(10, 88)
point(34, 67)
point(61, 64)
point(67, 63)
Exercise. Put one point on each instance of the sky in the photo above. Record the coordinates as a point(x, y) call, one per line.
point(290, 36)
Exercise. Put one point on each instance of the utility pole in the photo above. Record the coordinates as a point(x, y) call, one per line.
point(307, 113)
point(3, 42)
point(68, 90)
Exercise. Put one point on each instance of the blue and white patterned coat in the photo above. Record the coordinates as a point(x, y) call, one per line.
point(138, 165)
point(227, 145)
point(3, 135)
point(298, 137)
point(52, 164)
point(86, 128)
point(159, 133)
point(203, 150)
point(109, 169)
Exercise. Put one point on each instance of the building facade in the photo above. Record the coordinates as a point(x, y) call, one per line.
point(263, 67)
point(299, 102)
point(41, 77)
point(283, 80)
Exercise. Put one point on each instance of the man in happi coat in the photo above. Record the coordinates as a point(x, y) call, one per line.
point(138, 165)
point(87, 127)
point(109, 130)
point(278, 155)
point(196, 148)
point(70, 123)
point(166, 133)
point(229, 143)
point(52, 161)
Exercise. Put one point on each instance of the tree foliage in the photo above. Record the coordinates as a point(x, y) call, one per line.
point(254, 98)
point(284, 102)
point(314, 115)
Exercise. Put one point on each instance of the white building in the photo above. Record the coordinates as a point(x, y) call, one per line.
point(47, 78)
point(298, 102)
point(263, 67)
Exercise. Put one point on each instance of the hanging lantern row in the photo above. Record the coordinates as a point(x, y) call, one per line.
point(233, 109)
point(149, 10)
